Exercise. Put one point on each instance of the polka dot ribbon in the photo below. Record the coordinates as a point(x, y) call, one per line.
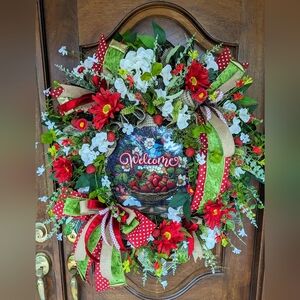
point(100, 54)
point(224, 58)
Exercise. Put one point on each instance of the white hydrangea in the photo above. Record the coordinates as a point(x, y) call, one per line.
point(100, 141)
point(166, 74)
point(167, 108)
point(210, 237)
point(183, 117)
point(229, 106)
point(244, 115)
point(235, 128)
point(87, 155)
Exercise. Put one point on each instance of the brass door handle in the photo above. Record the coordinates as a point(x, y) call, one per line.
point(71, 263)
point(42, 266)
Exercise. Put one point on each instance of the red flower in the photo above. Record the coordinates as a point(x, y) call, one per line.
point(190, 190)
point(196, 77)
point(216, 213)
point(80, 69)
point(111, 136)
point(170, 236)
point(63, 169)
point(130, 80)
point(238, 141)
point(107, 104)
point(156, 265)
point(90, 169)
point(177, 69)
point(80, 124)
point(239, 83)
point(158, 119)
point(189, 152)
point(238, 96)
point(257, 150)
point(96, 80)
point(200, 96)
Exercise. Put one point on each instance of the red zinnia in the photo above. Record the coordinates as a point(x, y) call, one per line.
point(200, 96)
point(238, 141)
point(216, 213)
point(238, 96)
point(107, 104)
point(257, 150)
point(80, 124)
point(196, 77)
point(63, 169)
point(170, 236)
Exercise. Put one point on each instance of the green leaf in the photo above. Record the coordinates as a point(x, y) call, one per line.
point(156, 68)
point(118, 37)
point(151, 108)
point(230, 224)
point(147, 40)
point(171, 53)
point(179, 199)
point(215, 157)
point(129, 37)
point(146, 76)
point(187, 210)
point(224, 242)
point(159, 33)
point(83, 181)
point(197, 130)
point(247, 101)
point(177, 107)
point(48, 137)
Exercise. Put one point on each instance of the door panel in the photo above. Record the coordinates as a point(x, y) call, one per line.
point(235, 23)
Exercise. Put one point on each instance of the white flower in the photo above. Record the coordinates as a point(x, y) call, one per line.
point(44, 116)
point(236, 251)
point(200, 159)
point(164, 284)
point(127, 128)
point(238, 172)
point(43, 198)
point(183, 117)
point(181, 181)
point(132, 97)
point(105, 182)
point(185, 244)
point(46, 92)
point(150, 238)
point(87, 155)
point(167, 108)
point(100, 141)
point(50, 125)
point(173, 214)
point(210, 237)
point(160, 93)
point(84, 190)
point(76, 72)
point(183, 162)
point(137, 150)
point(59, 236)
point(166, 74)
point(245, 138)
point(244, 115)
point(66, 150)
point(63, 50)
point(126, 168)
point(235, 127)
point(171, 146)
point(149, 143)
point(140, 84)
point(40, 170)
point(242, 233)
point(229, 106)
point(210, 62)
point(121, 87)
point(90, 61)
point(36, 145)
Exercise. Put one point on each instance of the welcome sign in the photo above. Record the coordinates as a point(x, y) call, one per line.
point(147, 168)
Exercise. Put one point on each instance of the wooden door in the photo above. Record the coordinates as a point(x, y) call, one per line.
point(77, 24)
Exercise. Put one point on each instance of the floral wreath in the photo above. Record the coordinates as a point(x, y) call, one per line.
point(188, 141)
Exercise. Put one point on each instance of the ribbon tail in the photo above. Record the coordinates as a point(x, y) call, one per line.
point(198, 252)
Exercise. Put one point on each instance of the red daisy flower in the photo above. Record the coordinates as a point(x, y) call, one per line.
point(216, 213)
point(178, 69)
point(200, 96)
point(80, 124)
point(257, 150)
point(107, 104)
point(170, 235)
point(196, 77)
point(63, 169)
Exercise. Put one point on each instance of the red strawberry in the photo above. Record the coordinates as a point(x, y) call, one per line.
point(149, 185)
point(144, 188)
point(139, 174)
point(171, 185)
point(158, 119)
point(157, 189)
point(135, 188)
point(55, 93)
point(164, 189)
point(224, 58)
point(162, 184)
point(132, 183)
point(155, 181)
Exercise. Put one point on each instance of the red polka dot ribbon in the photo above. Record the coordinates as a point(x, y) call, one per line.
point(100, 54)
point(224, 58)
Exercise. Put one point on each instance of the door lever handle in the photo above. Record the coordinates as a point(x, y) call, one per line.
point(42, 266)
point(71, 263)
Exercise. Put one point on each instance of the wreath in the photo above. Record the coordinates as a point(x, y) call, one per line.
point(152, 149)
